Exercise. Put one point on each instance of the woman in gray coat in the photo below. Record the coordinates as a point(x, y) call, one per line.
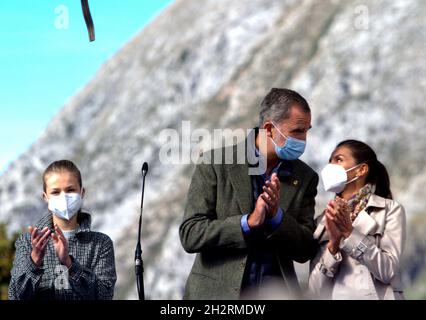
point(361, 233)
point(61, 258)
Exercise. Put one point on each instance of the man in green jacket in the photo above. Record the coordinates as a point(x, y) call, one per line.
point(247, 229)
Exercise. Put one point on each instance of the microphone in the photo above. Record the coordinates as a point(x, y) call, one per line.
point(138, 251)
point(144, 168)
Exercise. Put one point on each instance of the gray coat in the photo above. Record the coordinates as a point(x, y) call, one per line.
point(91, 276)
point(218, 196)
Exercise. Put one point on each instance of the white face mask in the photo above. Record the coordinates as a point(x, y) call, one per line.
point(66, 205)
point(335, 178)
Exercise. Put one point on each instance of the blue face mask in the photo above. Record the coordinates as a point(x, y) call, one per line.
point(292, 149)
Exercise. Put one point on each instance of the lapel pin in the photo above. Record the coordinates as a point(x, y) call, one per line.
point(295, 183)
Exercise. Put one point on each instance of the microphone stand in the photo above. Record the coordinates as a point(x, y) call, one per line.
point(138, 251)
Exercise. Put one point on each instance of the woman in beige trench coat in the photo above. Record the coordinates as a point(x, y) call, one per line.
point(361, 233)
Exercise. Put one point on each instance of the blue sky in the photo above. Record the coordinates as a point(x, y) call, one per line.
point(43, 66)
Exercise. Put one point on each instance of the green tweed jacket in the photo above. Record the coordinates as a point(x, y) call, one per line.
point(219, 195)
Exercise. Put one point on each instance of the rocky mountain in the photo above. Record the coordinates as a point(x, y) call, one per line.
point(360, 64)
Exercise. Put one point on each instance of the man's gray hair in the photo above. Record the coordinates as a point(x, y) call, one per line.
point(277, 103)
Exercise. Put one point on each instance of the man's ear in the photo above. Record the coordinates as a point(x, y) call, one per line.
point(45, 197)
point(83, 192)
point(267, 126)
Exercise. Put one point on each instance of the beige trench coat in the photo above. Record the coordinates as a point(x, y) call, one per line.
point(367, 265)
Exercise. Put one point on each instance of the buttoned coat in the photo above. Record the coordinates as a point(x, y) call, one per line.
point(368, 265)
